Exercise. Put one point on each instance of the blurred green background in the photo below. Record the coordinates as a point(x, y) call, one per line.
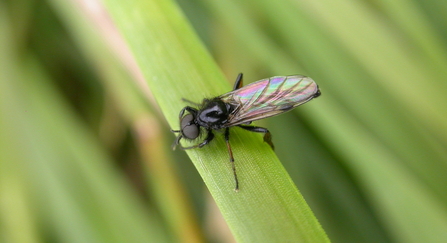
point(85, 147)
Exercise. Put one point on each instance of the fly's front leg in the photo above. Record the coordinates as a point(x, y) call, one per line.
point(230, 152)
point(267, 134)
point(177, 141)
point(190, 109)
point(207, 140)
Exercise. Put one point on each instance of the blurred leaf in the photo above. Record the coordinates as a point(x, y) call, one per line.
point(377, 112)
point(72, 192)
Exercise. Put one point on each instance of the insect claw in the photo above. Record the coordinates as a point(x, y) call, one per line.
point(268, 140)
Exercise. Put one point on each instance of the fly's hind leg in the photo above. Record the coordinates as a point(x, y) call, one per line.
point(230, 152)
point(267, 134)
point(239, 82)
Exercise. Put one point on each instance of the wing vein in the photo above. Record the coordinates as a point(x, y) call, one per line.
point(262, 92)
point(281, 91)
point(269, 97)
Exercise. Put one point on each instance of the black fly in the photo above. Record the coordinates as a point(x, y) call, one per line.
point(258, 100)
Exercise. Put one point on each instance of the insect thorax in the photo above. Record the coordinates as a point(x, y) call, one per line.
point(214, 114)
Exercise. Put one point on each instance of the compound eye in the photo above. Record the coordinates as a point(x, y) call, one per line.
point(189, 131)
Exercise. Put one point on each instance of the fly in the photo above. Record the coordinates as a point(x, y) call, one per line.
point(264, 98)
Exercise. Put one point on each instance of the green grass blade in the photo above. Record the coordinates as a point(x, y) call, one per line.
point(268, 208)
point(95, 41)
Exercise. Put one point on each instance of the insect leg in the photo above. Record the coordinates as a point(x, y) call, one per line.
point(207, 140)
point(227, 141)
point(239, 82)
point(267, 134)
point(189, 109)
point(177, 141)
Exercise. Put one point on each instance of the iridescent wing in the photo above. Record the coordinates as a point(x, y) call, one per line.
point(269, 97)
